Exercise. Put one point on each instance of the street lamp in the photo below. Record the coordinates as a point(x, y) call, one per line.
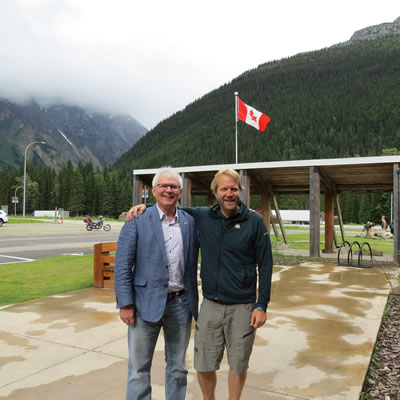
point(26, 149)
point(15, 200)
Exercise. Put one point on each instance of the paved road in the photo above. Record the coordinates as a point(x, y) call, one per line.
point(25, 242)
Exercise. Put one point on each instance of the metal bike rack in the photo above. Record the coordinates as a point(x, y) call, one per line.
point(350, 262)
point(360, 256)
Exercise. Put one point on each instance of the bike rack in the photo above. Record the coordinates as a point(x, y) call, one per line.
point(350, 255)
point(360, 256)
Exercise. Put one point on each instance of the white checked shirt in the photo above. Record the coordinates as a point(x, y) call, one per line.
point(174, 249)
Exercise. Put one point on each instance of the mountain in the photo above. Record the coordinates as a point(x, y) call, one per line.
point(342, 101)
point(375, 31)
point(71, 133)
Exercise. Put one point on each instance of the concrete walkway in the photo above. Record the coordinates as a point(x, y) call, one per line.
point(317, 344)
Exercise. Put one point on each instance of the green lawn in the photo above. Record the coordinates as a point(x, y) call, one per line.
point(47, 277)
point(301, 241)
point(28, 220)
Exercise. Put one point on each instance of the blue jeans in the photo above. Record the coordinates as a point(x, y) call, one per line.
point(142, 338)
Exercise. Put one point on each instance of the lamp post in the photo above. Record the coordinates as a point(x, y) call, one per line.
point(26, 149)
point(15, 200)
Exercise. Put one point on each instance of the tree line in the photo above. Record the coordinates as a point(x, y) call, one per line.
point(82, 190)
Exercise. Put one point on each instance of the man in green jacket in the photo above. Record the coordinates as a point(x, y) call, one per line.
point(234, 242)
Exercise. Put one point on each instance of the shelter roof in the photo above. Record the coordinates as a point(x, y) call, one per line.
point(346, 175)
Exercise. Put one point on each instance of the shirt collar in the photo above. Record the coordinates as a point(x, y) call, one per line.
point(162, 214)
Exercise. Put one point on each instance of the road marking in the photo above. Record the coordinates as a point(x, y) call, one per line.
point(20, 260)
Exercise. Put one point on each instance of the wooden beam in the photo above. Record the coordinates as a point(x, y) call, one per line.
point(339, 214)
point(327, 182)
point(266, 207)
point(268, 195)
point(137, 190)
point(396, 213)
point(334, 236)
point(329, 221)
point(245, 194)
point(276, 232)
point(314, 212)
point(278, 215)
point(186, 199)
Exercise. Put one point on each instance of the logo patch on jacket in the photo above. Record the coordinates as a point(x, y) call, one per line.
point(237, 226)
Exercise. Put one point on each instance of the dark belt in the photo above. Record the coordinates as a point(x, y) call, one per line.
point(225, 303)
point(174, 295)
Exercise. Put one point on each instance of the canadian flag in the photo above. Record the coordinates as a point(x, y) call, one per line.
point(252, 117)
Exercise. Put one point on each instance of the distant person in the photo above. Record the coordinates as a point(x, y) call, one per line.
point(156, 287)
point(234, 243)
point(384, 223)
point(368, 227)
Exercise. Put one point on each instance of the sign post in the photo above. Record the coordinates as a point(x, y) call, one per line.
point(14, 199)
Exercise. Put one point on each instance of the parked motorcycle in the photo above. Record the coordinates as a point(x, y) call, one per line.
point(90, 225)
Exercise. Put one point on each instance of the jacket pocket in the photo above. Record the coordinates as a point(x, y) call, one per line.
point(139, 282)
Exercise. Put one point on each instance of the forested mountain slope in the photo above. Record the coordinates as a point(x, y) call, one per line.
point(336, 102)
point(71, 133)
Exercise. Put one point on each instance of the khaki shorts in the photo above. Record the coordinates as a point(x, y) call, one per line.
point(221, 325)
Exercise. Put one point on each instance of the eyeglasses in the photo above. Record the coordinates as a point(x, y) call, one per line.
point(164, 186)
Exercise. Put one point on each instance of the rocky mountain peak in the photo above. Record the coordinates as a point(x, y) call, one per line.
point(70, 132)
point(375, 31)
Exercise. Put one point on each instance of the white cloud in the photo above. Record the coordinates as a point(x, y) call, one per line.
point(151, 58)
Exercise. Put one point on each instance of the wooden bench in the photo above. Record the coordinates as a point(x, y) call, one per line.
point(103, 273)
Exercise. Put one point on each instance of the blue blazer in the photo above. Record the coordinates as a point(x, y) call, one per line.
point(141, 265)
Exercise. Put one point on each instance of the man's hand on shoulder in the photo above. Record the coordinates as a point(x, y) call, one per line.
point(134, 211)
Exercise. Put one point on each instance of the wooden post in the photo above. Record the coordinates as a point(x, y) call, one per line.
point(339, 213)
point(137, 190)
point(266, 208)
point(334, 236)
point(245, 179)
point(276, 232)
point(186, 199)
point(278, 216)
point(314, 212)
point(329, 221)
point(98, 266)
point(396, 213)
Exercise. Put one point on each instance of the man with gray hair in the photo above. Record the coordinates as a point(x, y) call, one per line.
point(156, 287)
point(236, 271)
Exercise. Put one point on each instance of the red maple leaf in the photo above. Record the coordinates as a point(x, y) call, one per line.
point(252, 116)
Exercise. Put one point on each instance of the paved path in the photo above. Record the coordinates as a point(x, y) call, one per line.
point(322, 324)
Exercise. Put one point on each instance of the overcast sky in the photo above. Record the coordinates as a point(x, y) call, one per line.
point(150, 58)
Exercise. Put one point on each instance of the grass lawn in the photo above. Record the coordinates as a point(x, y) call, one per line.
point(47, 277)
point(301, 241)
point(28, 220)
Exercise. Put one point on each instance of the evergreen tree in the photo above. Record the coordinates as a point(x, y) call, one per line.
point(32, 196)
point(77, 198)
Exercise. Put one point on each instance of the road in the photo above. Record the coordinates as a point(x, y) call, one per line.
point(27, 242)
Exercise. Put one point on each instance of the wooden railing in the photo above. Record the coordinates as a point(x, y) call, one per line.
point(103, 273)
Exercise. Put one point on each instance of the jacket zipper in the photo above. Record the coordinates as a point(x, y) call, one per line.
point(219, 260)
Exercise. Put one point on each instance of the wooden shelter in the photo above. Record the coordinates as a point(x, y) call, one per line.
point(312, 177)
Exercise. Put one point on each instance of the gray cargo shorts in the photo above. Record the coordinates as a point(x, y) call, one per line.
point(219, 326)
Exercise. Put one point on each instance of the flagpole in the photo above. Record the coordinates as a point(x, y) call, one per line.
point(236, 124)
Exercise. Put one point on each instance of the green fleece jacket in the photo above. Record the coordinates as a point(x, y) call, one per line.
point(231, 250)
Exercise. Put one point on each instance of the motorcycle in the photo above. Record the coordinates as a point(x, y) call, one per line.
point(90, 225)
